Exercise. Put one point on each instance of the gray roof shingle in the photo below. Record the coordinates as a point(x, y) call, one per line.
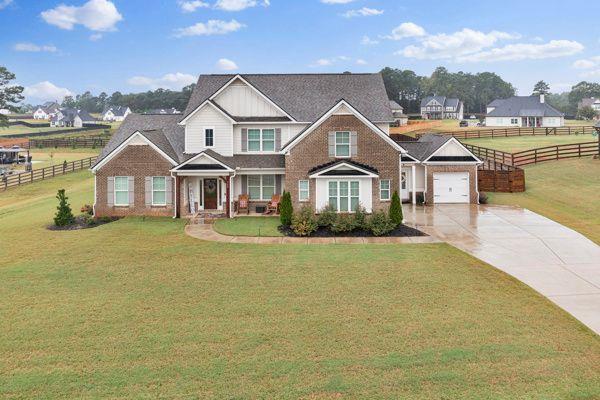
point(306, 97)
point(425, 146)
point(522, 106)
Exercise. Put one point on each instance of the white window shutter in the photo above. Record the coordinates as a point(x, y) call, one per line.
point(331, 144)
point(110, 192)
point(353, 144)
point(148, 190)
point(131, 190)
point(169, 189)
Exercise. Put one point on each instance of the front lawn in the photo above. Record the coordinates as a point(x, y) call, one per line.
point(249, 226)
point(137, 309)
point(48, 157)
point(567, 191)
point(513, 144)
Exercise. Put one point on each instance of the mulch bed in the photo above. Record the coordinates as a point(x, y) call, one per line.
point(82, 222)
point(401, 231)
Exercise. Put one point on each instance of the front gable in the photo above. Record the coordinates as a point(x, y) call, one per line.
point(452, 151)
point(209, 116)
point(242, 100)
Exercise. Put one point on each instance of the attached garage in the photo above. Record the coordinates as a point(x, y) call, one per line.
point(451, 187)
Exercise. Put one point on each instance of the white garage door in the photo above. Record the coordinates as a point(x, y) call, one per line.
point(451, 187)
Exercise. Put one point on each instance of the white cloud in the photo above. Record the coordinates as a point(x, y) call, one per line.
point(169, 81)
point(30, 47)
point(525, 51)
point(587, 63)
point(96, 15)
point(96, 36)
point(5, 3)
point(367, 41)
point(336, 1)
point(406, 30)
point(360, 61)
point(238, 5)
point(457, 44)
point(363, 12)
point(191, 6)
point(46, 91)
point(225, 64)
point(212, 27)
point(591, 74)
point(326, 62)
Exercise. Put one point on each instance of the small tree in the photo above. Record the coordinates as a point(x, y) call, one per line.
point(586, 112)
point(64, 215)
point(285, 209)
point(541, 88)
point(396, 209)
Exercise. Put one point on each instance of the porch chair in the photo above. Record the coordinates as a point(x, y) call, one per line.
point(243, 203)
point(273, 205)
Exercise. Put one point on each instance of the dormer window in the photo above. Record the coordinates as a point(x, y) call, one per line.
point(342, 144)
point(209, 137)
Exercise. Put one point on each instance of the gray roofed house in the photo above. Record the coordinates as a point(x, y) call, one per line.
point(523, 111)
point(115, 113)
point(441, 107)
point(592, 102)
point(70, 117)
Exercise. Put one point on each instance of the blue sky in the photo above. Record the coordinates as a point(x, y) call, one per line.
point(61, 46)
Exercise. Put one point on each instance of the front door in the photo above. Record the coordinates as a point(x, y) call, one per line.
point(404, 185)
point(210, 194)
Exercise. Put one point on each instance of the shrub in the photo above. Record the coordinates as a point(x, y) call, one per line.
point(304, 222)
point(286, 210)
point(380, 224)
point(87, 209)
point(326, 217)
point(483, 198)
point(64, 215)
point(360, 218)
point(343, 223)
point(396, 209)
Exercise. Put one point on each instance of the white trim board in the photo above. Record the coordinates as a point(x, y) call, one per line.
point(201, 106)
point(125, 143)
point(201, 154)
point(454, 140)
point(319, 175)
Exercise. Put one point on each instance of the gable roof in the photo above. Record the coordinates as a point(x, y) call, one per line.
point(330, 169)
point(118, 111)
point(305, 97)
point(395, 106)
point(522, 106)
point(425, 146)
point(427, 99)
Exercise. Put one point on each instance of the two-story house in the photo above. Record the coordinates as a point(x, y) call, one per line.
point(115, 113)
point(441, 107)
point(46, 111)
point(322, 137)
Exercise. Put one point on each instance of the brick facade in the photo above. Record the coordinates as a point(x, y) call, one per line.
point(138, 161)
point(471, 169)
point(313, 151)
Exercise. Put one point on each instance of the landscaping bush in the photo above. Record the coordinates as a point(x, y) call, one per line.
point(87, 209)
point(64, 215)
point(396, 209)
point(483, 198)
point(326, 217)
point(304, 223)
point(286, 210)
point(343, 223)
point(360, 218)
point(380, 224)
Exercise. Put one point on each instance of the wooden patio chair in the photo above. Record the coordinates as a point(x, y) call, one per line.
point(273, 205)
point(243, 203)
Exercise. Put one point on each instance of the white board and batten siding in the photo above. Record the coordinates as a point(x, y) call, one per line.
point(209, 117)
point(241, 100)
point(452, 149)
point(365, 192)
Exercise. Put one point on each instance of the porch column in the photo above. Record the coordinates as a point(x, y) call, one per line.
point(228, 196)
point(413, 178)
point(177, 196)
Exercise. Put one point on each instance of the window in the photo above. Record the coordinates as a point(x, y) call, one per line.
point(344, 195)
point(121, 191)
point(209, 137)
point(261, 187)
point(384, 189)
point(261, 140)
point(342, 144)
point(514, 121)
point(303, 190)
point(159, 191)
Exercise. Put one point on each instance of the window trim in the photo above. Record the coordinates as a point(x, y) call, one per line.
point(261, 140)
point(335, 144)
point(307, 190)
point(389, 190)
point(164, 190)
point(261, 186)
point(115, 203)
point(338, 197)
point(213, 136)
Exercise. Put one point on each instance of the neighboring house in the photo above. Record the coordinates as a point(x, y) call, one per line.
point(322, 137)
point(441, 107)
point(162, 111)
point(4, 111)
point(592, 102)
point(523, 111)
point(400, 118)
point(46, 111)
point(69, 117)
point(115, 113)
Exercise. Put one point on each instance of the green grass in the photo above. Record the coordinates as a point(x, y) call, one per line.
point(137, 309)
point(47, 157)
point(515, 144)
point(249, 226)
point(23, 130)
point(566, 191)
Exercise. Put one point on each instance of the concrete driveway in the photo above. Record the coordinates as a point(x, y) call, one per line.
point(558, 262)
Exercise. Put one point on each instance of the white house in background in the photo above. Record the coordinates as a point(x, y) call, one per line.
point(523, 111)
point(46, 110)
point(163, 111)
point(115, 113)
point(400, 118)
point(4, 111)
point(441, 107)
point(71, 118)
point(592, 102)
